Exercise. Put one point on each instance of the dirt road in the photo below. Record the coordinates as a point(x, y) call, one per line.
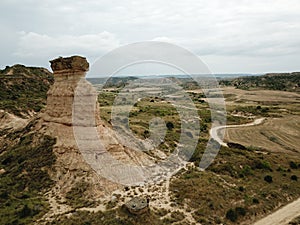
point(214, 132)
point(282, 216)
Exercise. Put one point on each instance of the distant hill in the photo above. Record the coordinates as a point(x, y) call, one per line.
point(270, 81)
point(112, 81)
point(24, 89)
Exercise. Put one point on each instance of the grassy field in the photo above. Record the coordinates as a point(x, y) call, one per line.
point(275, 135)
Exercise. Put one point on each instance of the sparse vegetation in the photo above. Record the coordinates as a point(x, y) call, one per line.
point(294, 177)
point(272, 81)
point(268, 179)
point(26, 178)
point(232, 215)
point(24, 89)
point(76, 197)
point(295, 221)
point(109, 217)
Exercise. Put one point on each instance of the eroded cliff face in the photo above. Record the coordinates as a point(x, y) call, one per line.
point(68, 72)
point(70, 168)
point(58, 121)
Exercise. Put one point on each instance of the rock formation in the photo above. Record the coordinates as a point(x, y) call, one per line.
point(68, 72)
point(71, 167)
point(60, 121)
point(137, 205)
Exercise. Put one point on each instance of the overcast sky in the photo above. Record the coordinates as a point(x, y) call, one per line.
point(232, 36)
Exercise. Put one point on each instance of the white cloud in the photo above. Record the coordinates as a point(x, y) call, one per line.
point(215, 28)
point(36, 45)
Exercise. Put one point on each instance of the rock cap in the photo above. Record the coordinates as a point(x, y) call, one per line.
point(73, 63)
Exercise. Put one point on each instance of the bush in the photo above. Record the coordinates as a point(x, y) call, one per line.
point(246, 171)
point(26, 212)
point(240, 211)
point(294, 177)
point(170, 125)
point(231, 215)
point(241, 188)
point(261, 165)
point(255, 201)
point(293, 165)
point(268, 179)
point(76, 196)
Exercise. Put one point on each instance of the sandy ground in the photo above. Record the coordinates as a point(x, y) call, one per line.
point(282, 216)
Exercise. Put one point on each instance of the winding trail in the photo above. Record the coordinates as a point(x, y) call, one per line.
point(214, 132)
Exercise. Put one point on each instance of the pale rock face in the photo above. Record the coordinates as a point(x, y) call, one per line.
point(69, 74)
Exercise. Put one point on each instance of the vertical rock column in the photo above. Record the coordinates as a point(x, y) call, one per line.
point(71, 166)
point(68, 72)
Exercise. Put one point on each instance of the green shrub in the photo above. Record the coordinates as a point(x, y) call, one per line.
point(294, 177)
point(232, 215)
point(76, 196)
point(293, 165)
point(240, 211)
point(268, 179)
point(262, 165)
point(170, 125)
point(241, 188)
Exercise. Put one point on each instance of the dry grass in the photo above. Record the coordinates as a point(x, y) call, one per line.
point(234, 95)
point(275, 134)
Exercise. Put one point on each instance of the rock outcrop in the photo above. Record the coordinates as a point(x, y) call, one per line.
point(68, 72)
point(71, 93)
point(57, 121)
point(137, 205)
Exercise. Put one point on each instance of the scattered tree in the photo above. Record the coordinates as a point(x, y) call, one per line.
point(231, 215)
point(170, 125)
point(294, 177)
point(268, 179)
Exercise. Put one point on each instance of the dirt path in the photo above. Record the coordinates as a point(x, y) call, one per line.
point(214, 132)
point(282, 216)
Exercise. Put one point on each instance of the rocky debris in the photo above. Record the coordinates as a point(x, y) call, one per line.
point(137, 205)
